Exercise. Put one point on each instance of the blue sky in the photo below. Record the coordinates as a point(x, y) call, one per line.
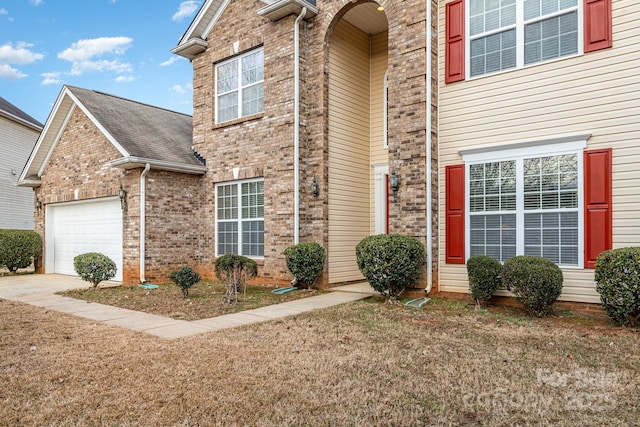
point(121, 47)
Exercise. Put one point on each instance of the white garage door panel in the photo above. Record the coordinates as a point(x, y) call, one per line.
point(86, 227)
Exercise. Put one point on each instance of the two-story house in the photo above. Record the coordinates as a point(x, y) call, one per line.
point(18, 134)
point(497, 127)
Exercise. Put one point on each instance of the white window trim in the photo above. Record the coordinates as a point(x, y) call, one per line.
point(519, 26)
point(518, 152)
point(240, 89)
point(238, 220)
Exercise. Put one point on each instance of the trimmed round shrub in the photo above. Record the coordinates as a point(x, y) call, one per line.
point(305, 261)
point(618, 283)
point(390, 262)
point(484, 277)
point(185, 277)
point(18, 248)
point(536, 282)
point(94, 267)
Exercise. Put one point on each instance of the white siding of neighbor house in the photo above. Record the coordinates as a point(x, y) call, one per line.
point(379, 153)
point(597, 93)
point(16, 203)
point(349, 136)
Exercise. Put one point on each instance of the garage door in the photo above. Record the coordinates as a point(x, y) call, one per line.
point(77, 228)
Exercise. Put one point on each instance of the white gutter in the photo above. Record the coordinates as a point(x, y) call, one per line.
point(132, 162)
point(143, 197)
point(296, 128)
point(428, 7)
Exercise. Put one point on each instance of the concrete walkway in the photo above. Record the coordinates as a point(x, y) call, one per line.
point(40, 289)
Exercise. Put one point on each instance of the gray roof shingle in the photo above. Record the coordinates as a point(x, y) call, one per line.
point(142, 130)
point(12, 110)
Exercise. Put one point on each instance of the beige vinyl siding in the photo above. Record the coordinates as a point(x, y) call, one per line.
point(379, 153)
point(16, 143)
point(597, 93)
point(349, 137)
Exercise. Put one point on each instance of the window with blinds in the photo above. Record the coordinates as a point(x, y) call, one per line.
point(505, 34)
point(525, 206)
point(240, 218)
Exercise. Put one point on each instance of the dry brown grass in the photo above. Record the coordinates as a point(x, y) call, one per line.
point(205, 300)
point(358, 364)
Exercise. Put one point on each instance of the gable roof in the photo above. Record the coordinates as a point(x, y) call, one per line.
point(12, 112)
point(194, 40)
point(141, 133)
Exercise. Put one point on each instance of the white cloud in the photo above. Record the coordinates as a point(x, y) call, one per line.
point(51, 78)
point(18, 54)
point(81, 67)
point(10, 73)
point(36, 2)
point(169, 61)
point(178, 89)
point(185, 9)
point(181, 89)
point(88, 48)
point(84, 55)
point(124, 79)
point(3, 11)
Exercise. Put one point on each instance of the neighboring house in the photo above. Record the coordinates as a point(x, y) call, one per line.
point(539, 134)
point(117, 177)
point(18, 134)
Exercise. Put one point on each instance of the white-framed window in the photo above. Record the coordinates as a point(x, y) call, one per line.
point(507, 34)
point(240, 86)
point(240, 218)
point(527, 201)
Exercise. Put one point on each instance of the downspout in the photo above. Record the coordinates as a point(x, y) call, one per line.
point(296, 128)
point(143, 197)
point(428, 8)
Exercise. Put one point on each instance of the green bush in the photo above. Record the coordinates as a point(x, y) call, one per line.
point(484, 277)
point(618, 283)
point(94, 267)
point(536, 282)
point(390, 262)
point(234, 271)
point(305, 261)
point(185, 277)
point(18, 248)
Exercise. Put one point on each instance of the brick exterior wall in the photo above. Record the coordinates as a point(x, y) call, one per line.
point(262, 145)
point(78, 164)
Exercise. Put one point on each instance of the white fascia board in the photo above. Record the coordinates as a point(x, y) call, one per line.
point(52, 145)
point(281, 8)
point(111, 139)
point(29, 183)
point(131, 162)
point(19, 120)
point(195, 29)
point(191, 48)
point(44, 141)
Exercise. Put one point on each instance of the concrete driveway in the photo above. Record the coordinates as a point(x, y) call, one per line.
point(13, 287)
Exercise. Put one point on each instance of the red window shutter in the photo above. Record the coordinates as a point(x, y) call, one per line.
point(454, 232)
point(454, 55)
point(597, 204)
point(597, 25)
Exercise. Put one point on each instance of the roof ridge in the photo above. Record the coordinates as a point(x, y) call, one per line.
point(129, 100)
